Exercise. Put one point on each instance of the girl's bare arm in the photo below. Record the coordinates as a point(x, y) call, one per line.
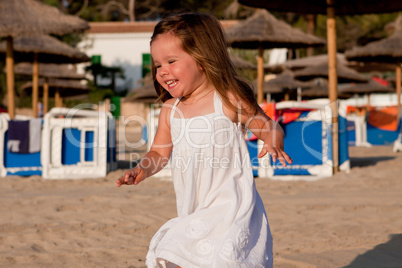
point(159, 154)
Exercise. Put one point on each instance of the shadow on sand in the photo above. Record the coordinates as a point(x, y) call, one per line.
point(387, 255)
point(368, 161)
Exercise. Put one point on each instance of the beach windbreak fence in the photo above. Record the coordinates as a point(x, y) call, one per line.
point(80, 144)
point(308, 140)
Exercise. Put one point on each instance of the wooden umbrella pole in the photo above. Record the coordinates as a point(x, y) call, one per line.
point(398, 75)
point(286, 96)
point(260, 76)
point(45, 96)
point(10, 77)
point(333, 81)
point(310, 30)
point(35, 85)
point(57, 98)
point(299, 92)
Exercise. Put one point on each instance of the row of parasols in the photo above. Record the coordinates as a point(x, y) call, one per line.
point(307, 77)
point(383, 51)
point(26, 25)
point(50, 63)
point(263, 30)
point(310, 74)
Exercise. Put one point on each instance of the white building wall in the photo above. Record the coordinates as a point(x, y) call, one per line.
point(118, 49)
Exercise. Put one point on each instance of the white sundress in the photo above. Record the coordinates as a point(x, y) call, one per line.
point(221, 219)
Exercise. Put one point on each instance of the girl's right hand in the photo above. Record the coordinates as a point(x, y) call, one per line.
point(133, 176)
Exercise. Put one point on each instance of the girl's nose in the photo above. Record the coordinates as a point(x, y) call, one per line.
point(163, 71)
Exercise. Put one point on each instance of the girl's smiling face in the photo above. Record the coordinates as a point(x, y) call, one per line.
point(176, 70)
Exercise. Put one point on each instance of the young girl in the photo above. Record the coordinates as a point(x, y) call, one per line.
point(221, 219)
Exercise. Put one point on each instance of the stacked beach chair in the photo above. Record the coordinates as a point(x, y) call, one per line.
point(377, 124)
point(308, 140)
point(20, 141)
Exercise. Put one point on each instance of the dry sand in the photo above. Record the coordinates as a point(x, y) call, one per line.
point(347, 220)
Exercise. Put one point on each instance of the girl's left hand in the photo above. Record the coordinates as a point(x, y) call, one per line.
point(274, 146)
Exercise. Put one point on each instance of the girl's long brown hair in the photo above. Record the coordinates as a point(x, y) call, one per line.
point(203, 38)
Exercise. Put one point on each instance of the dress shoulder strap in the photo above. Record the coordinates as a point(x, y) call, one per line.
point(174, 109)
point(218, 105)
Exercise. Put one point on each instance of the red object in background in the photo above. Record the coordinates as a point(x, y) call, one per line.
point(380, 81)
point(269, 109)
point(289, 115)
point(285, 116)
point(384, 118)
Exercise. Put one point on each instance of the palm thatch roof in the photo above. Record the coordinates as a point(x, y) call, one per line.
point(262, 29)
point(297, 64)
point(145, 94)
point(330, 8)
point(49, 49)
point(392, 79)
point(318, 91)
point(385, 50)
point(49, 70)
point(366, 88)
point(274, 68)
point(27, 17)
point(321, 91)
point(344, 73)
point(285, 81)
point(342, 7)
point(67, 88)
point(366, 67)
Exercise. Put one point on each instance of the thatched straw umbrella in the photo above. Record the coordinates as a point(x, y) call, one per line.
point(371, 67)
point(285, 82)
point(345, 74)
point(145, 94)
point(330, 8)
point(367, 88)
point(48, 70)
point(27, 17)
point(271, 93)
point(301, 63)
point(45, 49)
point(392, 79)
point(262, 31)
point(60, 88)
point(361, 67)
point(321, 91)
point(388, 50)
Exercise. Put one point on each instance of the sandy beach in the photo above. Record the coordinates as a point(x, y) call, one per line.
point(347, 220)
